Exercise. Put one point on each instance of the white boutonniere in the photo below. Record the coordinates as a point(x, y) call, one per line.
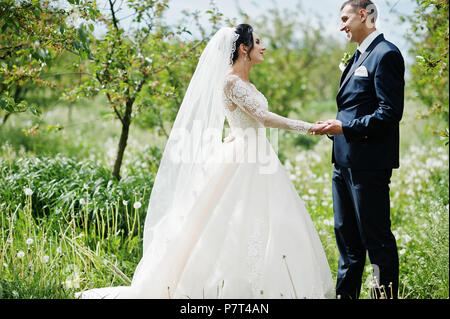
point(344, 61)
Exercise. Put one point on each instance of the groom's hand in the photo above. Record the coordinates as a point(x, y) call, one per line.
point(332, 127)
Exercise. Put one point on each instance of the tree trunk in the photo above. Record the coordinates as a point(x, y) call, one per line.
point(69, 113)
point(123, 139)
point(5, 118)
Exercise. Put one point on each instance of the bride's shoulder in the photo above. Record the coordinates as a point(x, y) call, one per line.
point(231, 80)
point(231, 77)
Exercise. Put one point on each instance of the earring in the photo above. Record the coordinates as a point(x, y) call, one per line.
point(245, 58)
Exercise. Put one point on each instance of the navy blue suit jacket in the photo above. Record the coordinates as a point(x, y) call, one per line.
point(370, 109)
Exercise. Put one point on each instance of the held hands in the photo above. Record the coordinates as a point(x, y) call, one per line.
point(317, 128)
point(330, 127)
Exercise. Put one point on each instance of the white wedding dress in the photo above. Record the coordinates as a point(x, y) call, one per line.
point(248, 234)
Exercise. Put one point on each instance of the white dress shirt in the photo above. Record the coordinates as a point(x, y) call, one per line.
point(368, 41)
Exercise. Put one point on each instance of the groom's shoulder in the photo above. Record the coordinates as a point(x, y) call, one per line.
point(388, 52)
point(386, 47)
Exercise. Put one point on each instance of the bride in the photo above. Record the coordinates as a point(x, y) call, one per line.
point(224, 219)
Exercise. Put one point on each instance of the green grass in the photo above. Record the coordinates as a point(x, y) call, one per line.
point(79, 228)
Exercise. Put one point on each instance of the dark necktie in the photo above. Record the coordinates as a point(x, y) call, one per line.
point(357, 54)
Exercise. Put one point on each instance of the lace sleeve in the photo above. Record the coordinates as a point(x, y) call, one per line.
point(244, 97)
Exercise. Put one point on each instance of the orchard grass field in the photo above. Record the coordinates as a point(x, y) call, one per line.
point(67, 225)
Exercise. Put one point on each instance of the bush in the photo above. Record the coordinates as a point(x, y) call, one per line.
point(64, 186)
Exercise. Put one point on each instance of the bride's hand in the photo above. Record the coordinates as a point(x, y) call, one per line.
point(317, 127)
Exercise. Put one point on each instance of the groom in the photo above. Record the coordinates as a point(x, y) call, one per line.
point(365, 138)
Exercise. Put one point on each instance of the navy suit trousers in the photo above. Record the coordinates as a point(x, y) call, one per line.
point(362, 224)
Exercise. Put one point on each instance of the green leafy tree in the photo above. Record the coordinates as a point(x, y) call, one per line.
point(174, 79)
point(430, 30)
point(33, 34)
point(132, 66)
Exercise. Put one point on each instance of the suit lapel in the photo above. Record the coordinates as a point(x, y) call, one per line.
point(360, 61)
point(346, 70)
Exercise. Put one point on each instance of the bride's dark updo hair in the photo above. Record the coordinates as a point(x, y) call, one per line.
point(245, 32)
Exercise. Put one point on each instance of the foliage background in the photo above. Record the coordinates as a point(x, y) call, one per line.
point(67, 223)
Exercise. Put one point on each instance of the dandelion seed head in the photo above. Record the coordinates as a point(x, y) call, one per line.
point(20, 254)
point(28, 191)
point(406, 238)
point(137, 205)
point(29, 241)
point(72, 284)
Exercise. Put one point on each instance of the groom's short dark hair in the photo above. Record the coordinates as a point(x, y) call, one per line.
point(367, 5)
